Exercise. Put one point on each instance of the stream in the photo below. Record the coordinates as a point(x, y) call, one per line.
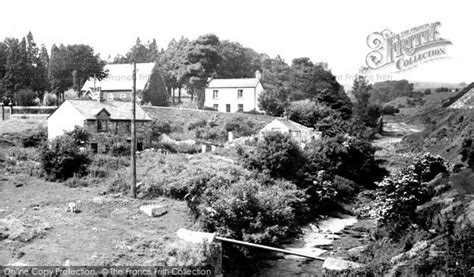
point(340, 236)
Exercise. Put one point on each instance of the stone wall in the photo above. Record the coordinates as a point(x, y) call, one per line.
point(118, 129)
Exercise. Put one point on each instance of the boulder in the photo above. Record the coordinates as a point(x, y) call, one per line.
point(154, 210)
point(336, 264)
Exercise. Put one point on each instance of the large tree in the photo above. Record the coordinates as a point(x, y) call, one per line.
point(236, 61)
point(155, 93)
point(76, 60)
point(202, 59)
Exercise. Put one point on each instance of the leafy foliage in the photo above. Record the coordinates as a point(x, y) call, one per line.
point(276, 155)
point(63, 158)
point(25, 97)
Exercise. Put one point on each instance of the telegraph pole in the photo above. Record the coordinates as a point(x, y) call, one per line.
point(133, 134)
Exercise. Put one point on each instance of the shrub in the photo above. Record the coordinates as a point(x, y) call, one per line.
point(241, 127)
point(428, 166)
point(63, 158)
point(178, 147)
point(390, 110)
point(50, 99)
point(119, 147)
point(347, 157)
point(212, 134)
point(276, 155)
point(250, 210)
point(195, 124)
point(34, 138)
point(25, 97)
point(158, 128)
point(467, 152)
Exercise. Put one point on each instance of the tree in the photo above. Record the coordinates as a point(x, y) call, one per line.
point(236, 61)
point(202, 59)
point(156, 92)
point(308, 113)
point(275, 79)
point(383, 92)
point(173, 65)
point(25, 97)
point(364, 111)
point(67, 59)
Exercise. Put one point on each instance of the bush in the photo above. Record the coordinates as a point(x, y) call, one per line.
point(241, 127)
point(212, 134)
point(390, 110)
point(158, 128)
point(34, 138)
point(276, 155)
point(63, 158)
point(199, 123)
point(50, 99)
point(347, 157)
point(249, 210)
point(25, 97)
point(178, 147)
point(428, 166)
point(467, 152)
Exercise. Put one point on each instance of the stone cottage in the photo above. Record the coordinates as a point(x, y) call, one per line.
point(105, 121)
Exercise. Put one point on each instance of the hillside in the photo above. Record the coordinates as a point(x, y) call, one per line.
point(445, 129)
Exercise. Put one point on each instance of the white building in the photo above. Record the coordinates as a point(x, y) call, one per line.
point(117, 86)
point(234, 95)
point(297, 131)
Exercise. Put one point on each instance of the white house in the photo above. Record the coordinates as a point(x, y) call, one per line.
point(117, 86)
point(297, 131)
point(234, 95)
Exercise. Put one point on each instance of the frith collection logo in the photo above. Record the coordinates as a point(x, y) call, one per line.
point(407, 49)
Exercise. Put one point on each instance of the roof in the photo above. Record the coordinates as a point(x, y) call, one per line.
point(119, 77)
point(234, 83)
point(118, 110)
point(291, 125)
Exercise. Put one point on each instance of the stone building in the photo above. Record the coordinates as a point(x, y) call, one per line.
point(105, 121)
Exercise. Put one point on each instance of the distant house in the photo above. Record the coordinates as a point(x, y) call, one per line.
point(117, 86)
point(234, 95)
point(300, 133)
point(103, 120)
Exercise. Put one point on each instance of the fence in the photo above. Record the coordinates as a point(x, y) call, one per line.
point(26, 112)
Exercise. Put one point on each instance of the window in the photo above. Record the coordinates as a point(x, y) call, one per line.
point(240, 107)
point(139, 146)
point(215, 94)
point(94, 147)
point(216, 107)
point(101, 125)
point(240, 93)
point(227, 108)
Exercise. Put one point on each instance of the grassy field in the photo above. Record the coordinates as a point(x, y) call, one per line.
point(109, 228)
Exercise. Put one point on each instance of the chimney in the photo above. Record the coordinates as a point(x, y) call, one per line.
point(258, 75)
point(100, 95)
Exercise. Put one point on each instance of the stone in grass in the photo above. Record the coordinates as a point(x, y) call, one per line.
point(154, 210)
point(335, 264)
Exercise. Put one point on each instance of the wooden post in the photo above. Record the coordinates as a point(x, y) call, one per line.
point(133, 134)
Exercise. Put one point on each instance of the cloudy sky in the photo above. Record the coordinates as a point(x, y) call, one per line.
point(331, 31)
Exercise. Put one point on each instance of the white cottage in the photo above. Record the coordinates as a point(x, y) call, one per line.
point(234, 95)
point(297, 131)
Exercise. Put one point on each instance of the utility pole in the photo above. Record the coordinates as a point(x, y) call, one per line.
point(133, 134)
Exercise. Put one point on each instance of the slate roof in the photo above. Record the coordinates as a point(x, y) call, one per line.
point(118, 110)
point(234, 83)
point(291, 125)
point(119, 77)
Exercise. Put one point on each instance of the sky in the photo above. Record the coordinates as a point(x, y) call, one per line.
point(325, 31)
